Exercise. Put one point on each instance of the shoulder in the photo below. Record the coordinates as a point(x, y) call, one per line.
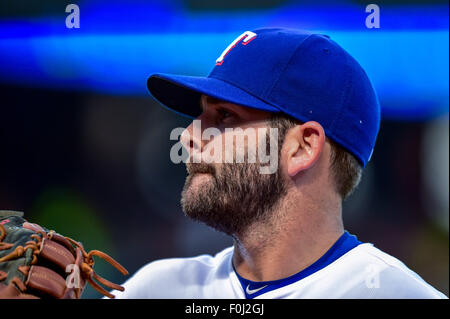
point(381, 275)
point(168, 278)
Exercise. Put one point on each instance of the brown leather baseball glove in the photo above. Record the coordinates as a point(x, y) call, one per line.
point(39, 263)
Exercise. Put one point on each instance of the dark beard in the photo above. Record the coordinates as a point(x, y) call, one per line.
point(236, 196)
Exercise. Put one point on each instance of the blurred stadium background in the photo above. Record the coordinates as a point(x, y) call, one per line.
point(85, 149)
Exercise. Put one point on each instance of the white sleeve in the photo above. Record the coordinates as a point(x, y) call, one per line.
point(398, 283)
point(143, 284)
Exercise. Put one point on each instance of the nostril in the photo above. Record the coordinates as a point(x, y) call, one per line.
point(191, 144)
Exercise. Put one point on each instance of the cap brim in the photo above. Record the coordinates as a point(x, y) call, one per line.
point(182, 93)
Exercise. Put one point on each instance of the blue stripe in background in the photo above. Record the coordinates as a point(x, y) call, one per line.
point(119, 45)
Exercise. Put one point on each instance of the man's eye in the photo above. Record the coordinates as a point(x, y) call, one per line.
point(224, 113)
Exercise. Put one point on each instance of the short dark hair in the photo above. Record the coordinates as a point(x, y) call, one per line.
point(345, 168)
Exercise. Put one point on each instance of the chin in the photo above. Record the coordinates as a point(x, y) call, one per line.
point(195, 189)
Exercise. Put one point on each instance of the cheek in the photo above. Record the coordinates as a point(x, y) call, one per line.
point(236, 145)
point(213, 152)
point(242, 146)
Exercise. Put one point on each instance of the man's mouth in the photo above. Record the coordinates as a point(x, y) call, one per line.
point(195, 169)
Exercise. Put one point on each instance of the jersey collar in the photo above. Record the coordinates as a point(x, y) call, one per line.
point(343, 245)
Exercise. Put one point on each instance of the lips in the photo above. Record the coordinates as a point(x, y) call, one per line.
point(200, 168)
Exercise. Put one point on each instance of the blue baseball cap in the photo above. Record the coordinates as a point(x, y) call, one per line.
point(305, 75)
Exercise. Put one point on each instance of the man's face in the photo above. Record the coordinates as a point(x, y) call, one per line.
point(230, 196)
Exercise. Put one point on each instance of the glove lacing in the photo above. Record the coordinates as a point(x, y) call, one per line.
point(87, 270)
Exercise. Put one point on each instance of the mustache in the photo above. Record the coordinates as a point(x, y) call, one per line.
point(200, 168)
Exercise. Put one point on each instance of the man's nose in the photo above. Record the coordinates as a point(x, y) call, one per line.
point(187, 139)
point(191, 138)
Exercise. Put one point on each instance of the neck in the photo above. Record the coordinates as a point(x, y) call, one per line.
point(294, 238)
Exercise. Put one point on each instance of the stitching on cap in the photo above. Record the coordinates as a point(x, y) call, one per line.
point(348, 88)
point(269, 91)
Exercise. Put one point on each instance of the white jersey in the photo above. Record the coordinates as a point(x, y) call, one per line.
point(349, 269)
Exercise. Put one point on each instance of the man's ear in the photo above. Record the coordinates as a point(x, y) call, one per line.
point(304, 144)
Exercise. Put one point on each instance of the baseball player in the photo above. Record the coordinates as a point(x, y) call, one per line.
point(289, 237)
point(304, 99)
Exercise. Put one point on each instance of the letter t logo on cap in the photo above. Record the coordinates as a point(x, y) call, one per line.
point(247, 36)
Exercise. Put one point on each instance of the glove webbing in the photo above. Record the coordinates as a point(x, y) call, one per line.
point(87, 270)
